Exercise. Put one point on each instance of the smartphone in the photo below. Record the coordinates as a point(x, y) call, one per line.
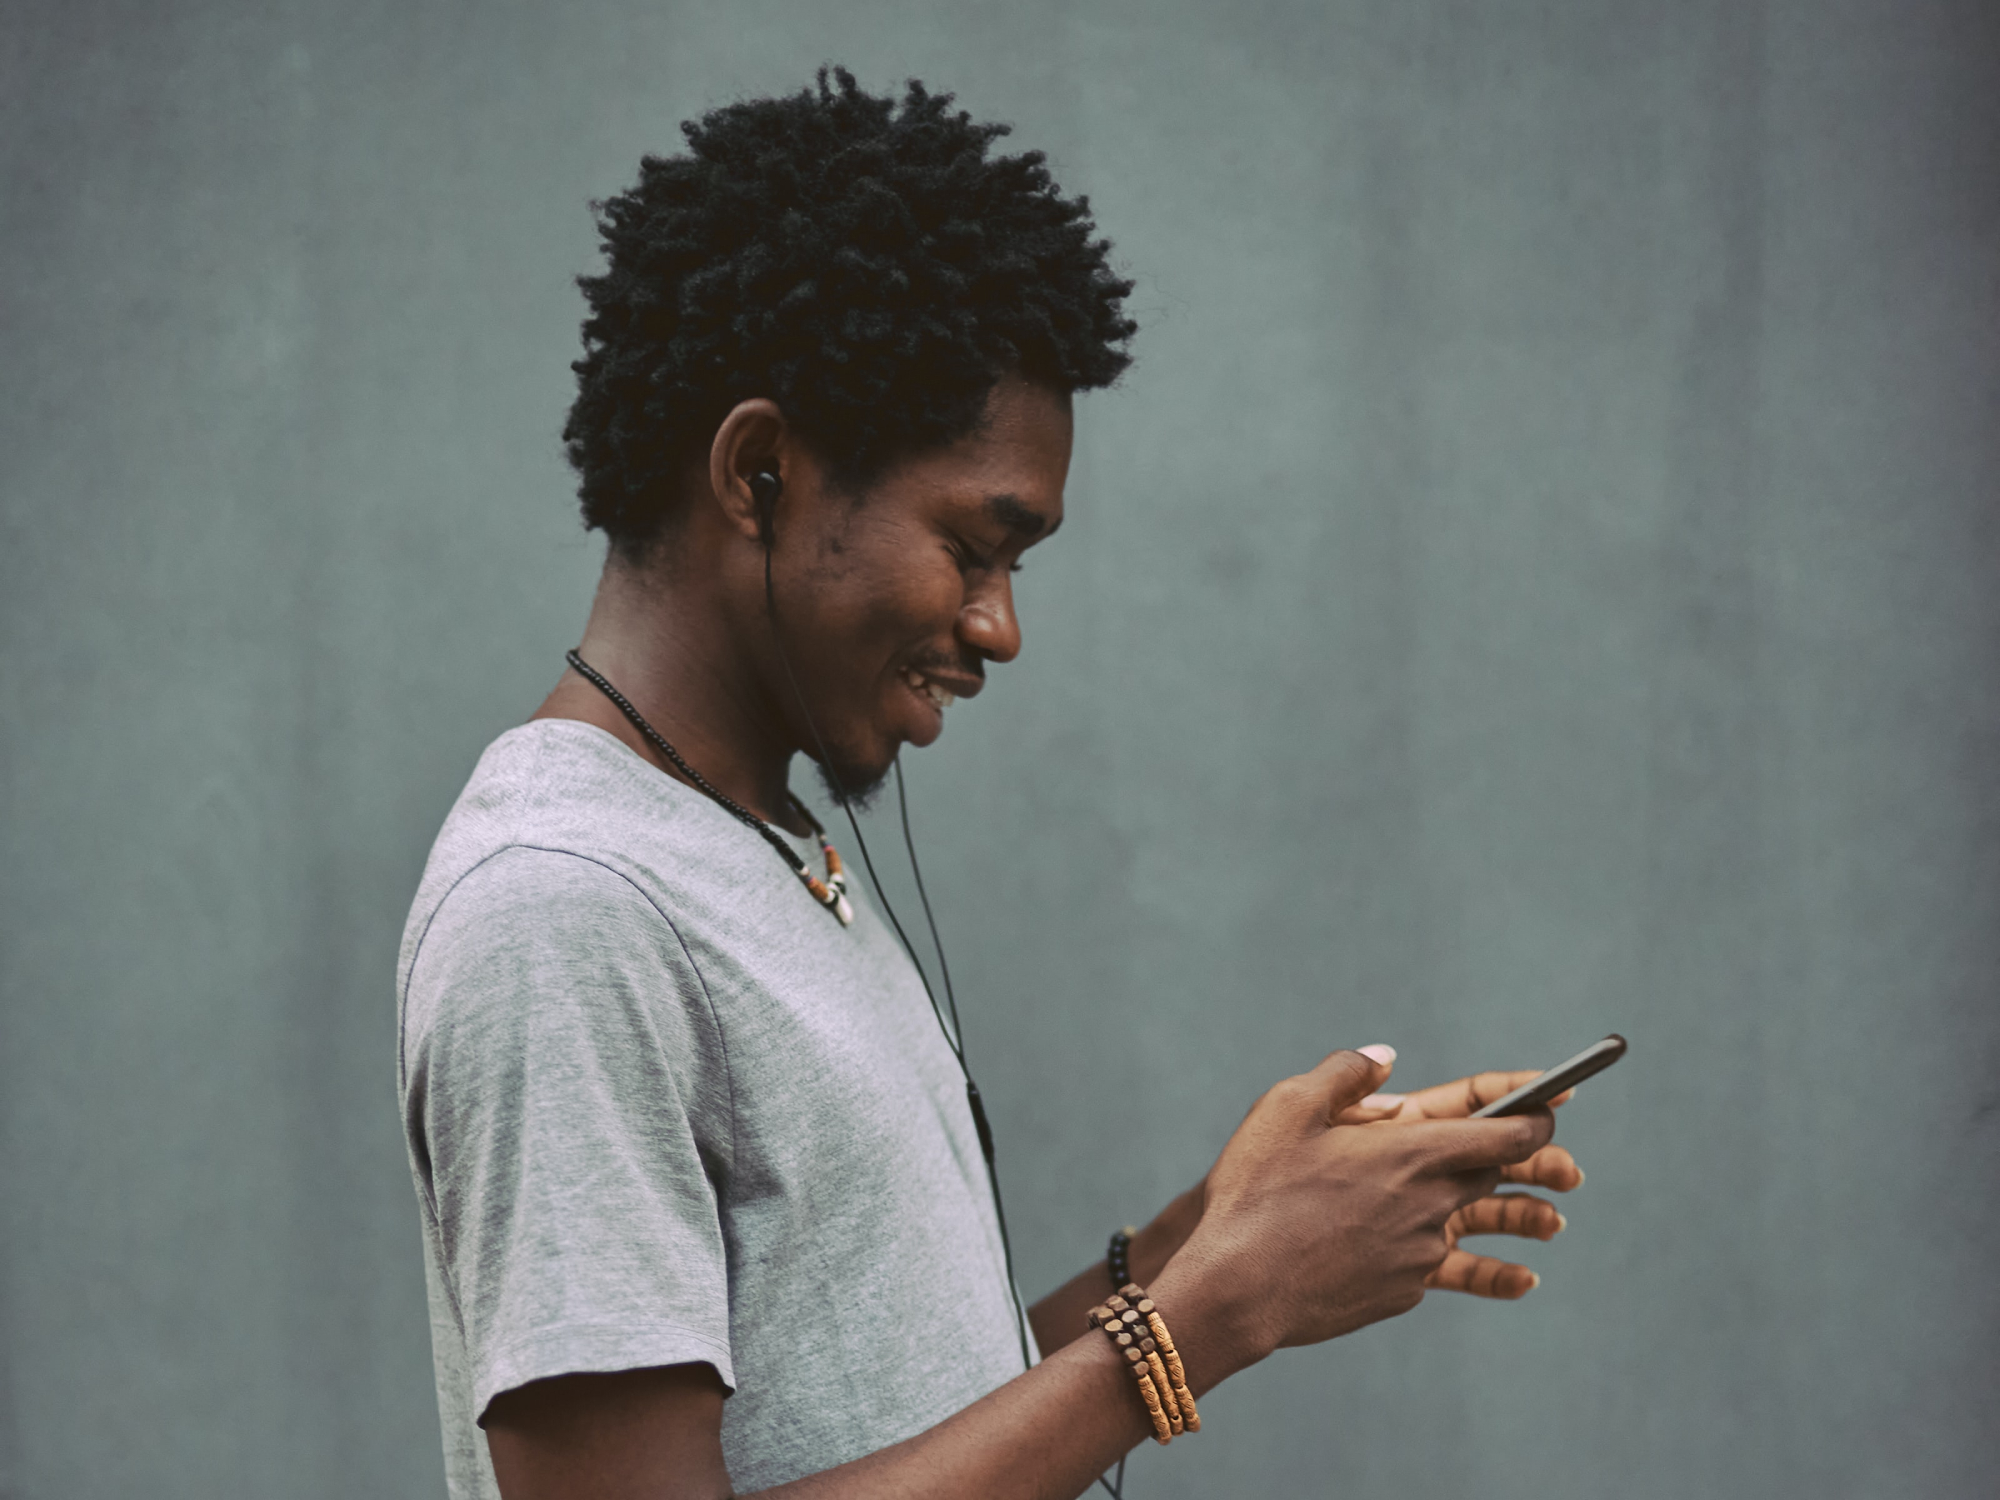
point(1539, 1091)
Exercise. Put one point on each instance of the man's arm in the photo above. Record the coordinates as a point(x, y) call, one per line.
point(1058, 1318)
point(1269, 1263)
point(657, 1433)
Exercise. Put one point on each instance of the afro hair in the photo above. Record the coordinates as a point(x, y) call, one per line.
point(868, 267)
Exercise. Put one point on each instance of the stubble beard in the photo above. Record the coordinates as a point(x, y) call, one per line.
point(853, 786)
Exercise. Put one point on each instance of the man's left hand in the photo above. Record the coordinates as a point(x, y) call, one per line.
point(1520, 1214)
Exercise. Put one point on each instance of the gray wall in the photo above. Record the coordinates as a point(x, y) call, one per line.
point(1538, 580)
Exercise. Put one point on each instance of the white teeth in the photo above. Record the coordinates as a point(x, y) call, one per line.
point(942, 698)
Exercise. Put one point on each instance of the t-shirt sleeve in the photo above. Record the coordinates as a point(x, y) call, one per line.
point(567, 1091)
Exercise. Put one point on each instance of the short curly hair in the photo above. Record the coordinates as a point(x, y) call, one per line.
point(869, 268)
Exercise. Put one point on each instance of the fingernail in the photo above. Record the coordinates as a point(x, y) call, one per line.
point(1533, 1281)
point(1383, 1101)
point(1579, 1176)
point(1562, 1223)
point(1378, 1052)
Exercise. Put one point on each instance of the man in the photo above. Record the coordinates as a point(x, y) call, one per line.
point(704, 1196)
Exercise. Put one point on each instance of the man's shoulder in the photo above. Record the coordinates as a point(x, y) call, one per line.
point(560, 789)
point(566, 847)
point(559, 781)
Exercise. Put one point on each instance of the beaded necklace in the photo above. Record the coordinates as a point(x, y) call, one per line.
point(830, 893)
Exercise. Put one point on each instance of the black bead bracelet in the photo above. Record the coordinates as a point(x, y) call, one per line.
point(1119, 1256)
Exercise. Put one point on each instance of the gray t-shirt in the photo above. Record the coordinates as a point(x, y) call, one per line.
point(661, 1107)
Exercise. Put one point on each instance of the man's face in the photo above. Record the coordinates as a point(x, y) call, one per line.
point(890, 606)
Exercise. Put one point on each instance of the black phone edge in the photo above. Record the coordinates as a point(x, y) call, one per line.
point(1593, 1060)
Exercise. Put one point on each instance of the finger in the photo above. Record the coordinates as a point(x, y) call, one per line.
point(1551, 1167)
point(1346, 1077)
point(1474, 1145)
point(1364, 1113)
point(1459, 1098)
point(1520, 1214)
point(1483, 1276)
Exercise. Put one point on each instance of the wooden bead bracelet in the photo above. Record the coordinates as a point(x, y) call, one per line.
point(1138, 1332)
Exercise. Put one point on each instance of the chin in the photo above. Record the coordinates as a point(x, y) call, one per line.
point(853, 782)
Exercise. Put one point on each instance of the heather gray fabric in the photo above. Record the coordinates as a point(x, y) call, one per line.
point(660, 1107)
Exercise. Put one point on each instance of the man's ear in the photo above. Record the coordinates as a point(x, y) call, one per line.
point(754, 438)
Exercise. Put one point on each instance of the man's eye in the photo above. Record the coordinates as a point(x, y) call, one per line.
point(971, 559)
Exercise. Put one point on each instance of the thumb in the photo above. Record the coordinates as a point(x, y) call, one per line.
point(1347, 1077)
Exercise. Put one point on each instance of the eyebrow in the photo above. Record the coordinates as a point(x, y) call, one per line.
point(1012, 514)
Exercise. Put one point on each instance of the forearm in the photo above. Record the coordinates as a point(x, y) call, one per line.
point(1048, 1433)
point(1058, 1318)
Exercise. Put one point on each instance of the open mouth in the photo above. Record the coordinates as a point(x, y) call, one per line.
point(937, 696)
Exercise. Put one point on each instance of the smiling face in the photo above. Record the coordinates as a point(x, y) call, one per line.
point(891, 603)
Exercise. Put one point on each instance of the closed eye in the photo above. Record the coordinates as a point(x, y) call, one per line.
point(970, 561)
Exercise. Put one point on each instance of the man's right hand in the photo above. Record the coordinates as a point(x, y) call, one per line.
point(1310, 1231)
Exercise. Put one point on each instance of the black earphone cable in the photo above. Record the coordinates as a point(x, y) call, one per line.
point(953, 1036)
point(956, 1045)
point(1113, 1487)
point(917, 872)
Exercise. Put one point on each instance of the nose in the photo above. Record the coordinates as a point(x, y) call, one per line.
point(987, 622)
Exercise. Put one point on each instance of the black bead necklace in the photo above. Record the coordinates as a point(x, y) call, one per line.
point(830, 893)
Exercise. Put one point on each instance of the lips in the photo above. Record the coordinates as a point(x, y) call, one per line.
point(929, 689)
point(937, 686)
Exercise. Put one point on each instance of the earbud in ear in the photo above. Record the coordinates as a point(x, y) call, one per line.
point(764, 490)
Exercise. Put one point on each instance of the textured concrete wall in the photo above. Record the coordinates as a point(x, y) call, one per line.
point(1538, 580)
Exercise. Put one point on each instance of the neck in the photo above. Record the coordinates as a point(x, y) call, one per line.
point(670, 649)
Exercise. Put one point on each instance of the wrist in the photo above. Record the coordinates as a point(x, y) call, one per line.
point(1217, 1328)
point(1157, 1243)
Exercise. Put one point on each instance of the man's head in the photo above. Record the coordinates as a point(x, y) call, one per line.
point(868, 268)
point(855, 299)
point(863, 619)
